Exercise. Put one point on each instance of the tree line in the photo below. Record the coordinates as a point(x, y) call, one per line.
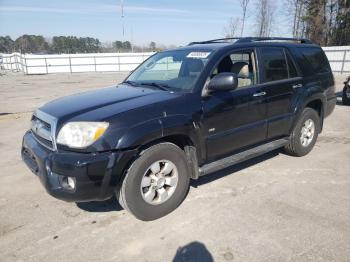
point(37, 44)
point(326, 22)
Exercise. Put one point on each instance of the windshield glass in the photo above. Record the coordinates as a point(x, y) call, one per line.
point(171, 70)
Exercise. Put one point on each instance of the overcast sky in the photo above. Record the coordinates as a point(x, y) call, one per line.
point(167, 22)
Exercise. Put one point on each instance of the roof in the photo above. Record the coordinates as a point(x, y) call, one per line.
point(215, 44)
point(240, 40)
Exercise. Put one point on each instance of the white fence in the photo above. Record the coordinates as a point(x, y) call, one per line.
point(338, 56)
point(74, 63)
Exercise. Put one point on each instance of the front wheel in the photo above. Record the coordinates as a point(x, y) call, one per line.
point(156, 183)
point(304, 134)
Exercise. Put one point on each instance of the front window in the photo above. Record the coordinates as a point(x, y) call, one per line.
point(242, 63)
point(171, 70)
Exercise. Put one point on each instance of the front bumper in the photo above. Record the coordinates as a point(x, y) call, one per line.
point(96, 174)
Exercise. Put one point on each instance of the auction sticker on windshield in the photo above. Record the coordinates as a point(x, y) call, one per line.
point(198, 54)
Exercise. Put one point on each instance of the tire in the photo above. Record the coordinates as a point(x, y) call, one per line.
point(295, 146)
point(345, 98)
point(138, 200)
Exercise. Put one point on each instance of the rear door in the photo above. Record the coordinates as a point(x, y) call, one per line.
point(281, 82)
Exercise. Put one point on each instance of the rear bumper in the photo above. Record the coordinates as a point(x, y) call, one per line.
point(331, 102)
point(96, 174)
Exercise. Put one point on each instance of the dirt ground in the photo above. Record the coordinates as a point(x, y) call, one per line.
point(273, 208)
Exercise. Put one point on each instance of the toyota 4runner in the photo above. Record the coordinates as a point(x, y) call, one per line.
point(181, 114)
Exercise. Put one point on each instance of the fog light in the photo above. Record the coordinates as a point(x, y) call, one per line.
point(71, 182)
point(68, 182)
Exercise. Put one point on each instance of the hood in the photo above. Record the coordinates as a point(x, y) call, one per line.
point(111, 101)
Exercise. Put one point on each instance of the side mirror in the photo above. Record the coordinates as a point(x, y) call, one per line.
point(223, 82)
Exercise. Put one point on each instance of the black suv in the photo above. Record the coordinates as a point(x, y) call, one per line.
point(346, 92)
point(181, 114)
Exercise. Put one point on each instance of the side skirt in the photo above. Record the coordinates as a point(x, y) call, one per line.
point(243, 156)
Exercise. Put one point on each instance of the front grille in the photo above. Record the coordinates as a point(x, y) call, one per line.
point(43, 129)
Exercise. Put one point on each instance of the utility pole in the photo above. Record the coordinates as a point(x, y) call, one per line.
point(122, 9)
point(132, 40)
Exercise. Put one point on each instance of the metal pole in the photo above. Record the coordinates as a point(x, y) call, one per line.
point(343, 63)
point(22, 64)
point(16, 64)
point(70, 65)
point(95, 63)
point(119, 62)
point(122, 9)
point(25, 61)
point(11, 62)
point(19, 63)
point(47, 70)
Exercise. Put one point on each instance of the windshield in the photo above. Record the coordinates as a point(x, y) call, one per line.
point(171, 70)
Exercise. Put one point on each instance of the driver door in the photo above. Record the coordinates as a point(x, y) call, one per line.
point(235, 119)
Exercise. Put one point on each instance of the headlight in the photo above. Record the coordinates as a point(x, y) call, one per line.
point(81, 134)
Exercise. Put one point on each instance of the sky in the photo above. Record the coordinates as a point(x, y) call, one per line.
point(164, 22)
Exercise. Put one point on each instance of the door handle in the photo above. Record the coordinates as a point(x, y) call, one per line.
point(297, 86)
point(259, 94)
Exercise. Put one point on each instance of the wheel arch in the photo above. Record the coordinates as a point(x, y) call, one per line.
point(175, 130)
point(316, 102)
point(186, 144)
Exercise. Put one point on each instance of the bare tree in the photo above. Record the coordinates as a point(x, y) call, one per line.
point(244, 5)
point(264, 17)
point(330, 17)
point(296, 9)
point(316, 21)
point(319, 20)
point(230, 30)
point(341, 34)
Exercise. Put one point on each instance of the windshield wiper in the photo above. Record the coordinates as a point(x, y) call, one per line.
point(157, 85)
point(128, 82)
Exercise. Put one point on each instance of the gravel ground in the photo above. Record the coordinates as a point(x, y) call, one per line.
point(273, 208)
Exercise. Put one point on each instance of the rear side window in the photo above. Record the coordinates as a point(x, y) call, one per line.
point(275, 65)
point(291, 67)
point(316, 59)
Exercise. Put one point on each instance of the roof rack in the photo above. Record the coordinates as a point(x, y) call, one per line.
point(219, 40)
point(241, 40)
point(257, 39)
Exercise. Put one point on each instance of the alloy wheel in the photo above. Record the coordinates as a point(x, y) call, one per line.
point(159, 182)
point(307, 132)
